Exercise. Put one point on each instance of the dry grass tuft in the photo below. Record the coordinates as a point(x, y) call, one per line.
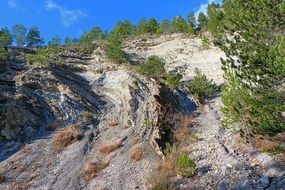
point(106, 149)
point(186, 121)
point(181, 134)
point(113, 123)
point(134, 140)
point(65, 137)
point(2, 178)
point(202, 108)
point(92, 169)
point(137, 153)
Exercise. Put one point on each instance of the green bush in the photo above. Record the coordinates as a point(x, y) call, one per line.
point(205, 43)
point(3, 54)
point(114, 51)
point(201, 87)
point(172, 80)
point(153, 67)
point(186, 166)
point(44, 56)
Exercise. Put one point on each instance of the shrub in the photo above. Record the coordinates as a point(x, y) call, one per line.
point(276, 149)
point(65, 137)
point(172, 80)
point(186, 166)
point(114, 51)
point(205, 43)
point(92, 169)
point(201, 87)
point(153, 67)
point(106, 149)
point(137, 153)
point(44, 56)
point(3, 54)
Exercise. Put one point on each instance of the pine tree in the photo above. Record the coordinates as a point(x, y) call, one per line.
point(55, 41)
point(34, 38)
point(215, 18)
point(180, 25)
point(202, 21)
point(89, 37)
point(19, 34)
point(254, 69)
point(5, 38)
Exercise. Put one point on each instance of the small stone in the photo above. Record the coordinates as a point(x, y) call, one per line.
point(229, 165)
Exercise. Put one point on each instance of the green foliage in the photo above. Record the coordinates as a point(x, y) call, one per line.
point(94, 35)
point(186, 166)
point(164, 27)
point(256, 77)
point(3, 54)
point(19, 34)
point(114, 50)
point(180, 25)
point(147, 26)
point(215, 19)
point(68, 41)
point(202, 21)
point(45, 56)
point(192, 22)
point(153, 67)
point(122, 30)
point(277, 149)
point(206, 43)
point(172, 80)
point(201, 87)
point(34, 38)
point(55, 41)
point(5, 38)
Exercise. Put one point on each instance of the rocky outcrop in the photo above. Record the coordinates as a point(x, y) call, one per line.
point(121, 122)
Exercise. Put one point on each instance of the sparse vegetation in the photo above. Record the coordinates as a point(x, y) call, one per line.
point(172, 80)
point(137, 153)
point(201, 87)
point(134, 140)
point(106, 149)
point(153, 67)
point(186, 166)
point(91, 169)
point(65, 137)
point(206, 43)
point(276, 149)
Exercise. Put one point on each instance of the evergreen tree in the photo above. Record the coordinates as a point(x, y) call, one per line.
point(202, 21)
point(19, 34)
point(142, 26)
point(68, 41)
point(55, 41)
point(152, 26)
point(180, 25)
point(89, 37)
point(254, 69)
point(164, 27)
point(34, 38)
point(215, 18)
point(5, 37)
point(191, 20)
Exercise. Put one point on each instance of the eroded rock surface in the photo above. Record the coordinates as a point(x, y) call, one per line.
point(115, 106)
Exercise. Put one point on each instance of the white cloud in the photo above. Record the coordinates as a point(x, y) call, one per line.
point(12, 3)
point(67, 17)
point(203, 7)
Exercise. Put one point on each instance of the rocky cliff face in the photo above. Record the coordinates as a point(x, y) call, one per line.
point(113, 115)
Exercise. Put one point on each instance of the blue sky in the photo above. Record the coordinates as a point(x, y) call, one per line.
point(73, 17)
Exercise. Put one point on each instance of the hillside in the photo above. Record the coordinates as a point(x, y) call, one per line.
point(90, 123)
